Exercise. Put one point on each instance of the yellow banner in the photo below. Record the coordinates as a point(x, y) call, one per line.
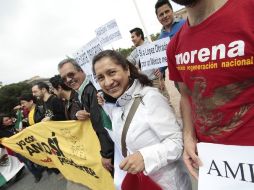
point(70, 146)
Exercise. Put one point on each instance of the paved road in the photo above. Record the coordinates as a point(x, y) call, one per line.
point(48, 182)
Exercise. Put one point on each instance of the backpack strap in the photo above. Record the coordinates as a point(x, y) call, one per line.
point(130, 115)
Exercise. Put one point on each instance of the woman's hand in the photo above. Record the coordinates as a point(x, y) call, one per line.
point(133, 163)
point(100, 99)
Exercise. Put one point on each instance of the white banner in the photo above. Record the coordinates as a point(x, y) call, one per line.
point(153, 55)
point(226, 167)
point(113, 31)
point(93, 48)
point(84, 57)
point(108, 33)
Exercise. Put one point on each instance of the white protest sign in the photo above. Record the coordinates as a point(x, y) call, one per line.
point(226, 167)
point(93, 48)
point(84, 57)
point(113, 31)
point(102, 35)
point(81, 57)
point(108, 33)
point(153, 55)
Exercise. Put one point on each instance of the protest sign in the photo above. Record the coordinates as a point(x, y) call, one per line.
point(226, 167)
point(70, 146)
point(113, 31)
point(93, 48)
point(153, 55)
point(84, 57)
point(108, 33)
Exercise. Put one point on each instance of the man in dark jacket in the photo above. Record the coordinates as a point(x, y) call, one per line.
point(53, 106)
point(74, 77)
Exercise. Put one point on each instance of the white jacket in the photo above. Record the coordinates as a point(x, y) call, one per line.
point(154, 132)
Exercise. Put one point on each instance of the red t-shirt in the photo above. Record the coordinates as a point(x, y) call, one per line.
point(215, 60)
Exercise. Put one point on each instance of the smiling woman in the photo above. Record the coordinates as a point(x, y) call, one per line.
point(153, 143)
point(115, 74)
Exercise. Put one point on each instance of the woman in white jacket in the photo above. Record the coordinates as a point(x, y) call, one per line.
point(154, 138)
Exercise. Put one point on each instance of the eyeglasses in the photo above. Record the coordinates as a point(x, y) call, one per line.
point(70, 75)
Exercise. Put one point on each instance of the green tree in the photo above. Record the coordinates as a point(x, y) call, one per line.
point(9, 95)
point(154, 37)
point(125, 52)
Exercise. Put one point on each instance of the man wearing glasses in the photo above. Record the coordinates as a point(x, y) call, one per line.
point(74, 77)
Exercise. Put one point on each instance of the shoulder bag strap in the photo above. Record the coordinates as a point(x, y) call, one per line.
point(130, 115)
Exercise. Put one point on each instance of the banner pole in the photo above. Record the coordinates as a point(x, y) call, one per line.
point(142, 21)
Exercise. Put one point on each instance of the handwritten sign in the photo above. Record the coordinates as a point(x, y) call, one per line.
point(153, 55)
point(84, 57)
point(108, 33)
point(93, 48)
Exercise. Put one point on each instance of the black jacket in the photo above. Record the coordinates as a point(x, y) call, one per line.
point(7, 131)
point(72, 106)
point(54, 108)
point(39, 113)
point(90, 103)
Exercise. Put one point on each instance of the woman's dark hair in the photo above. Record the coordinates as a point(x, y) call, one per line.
point(2, 115)
point(57, 81)
point(27, 97)
point(121, 60)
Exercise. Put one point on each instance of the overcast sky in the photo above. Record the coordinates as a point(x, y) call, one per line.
point(37, 34)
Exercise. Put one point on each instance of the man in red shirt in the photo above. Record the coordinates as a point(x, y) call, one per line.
point(211, 58)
